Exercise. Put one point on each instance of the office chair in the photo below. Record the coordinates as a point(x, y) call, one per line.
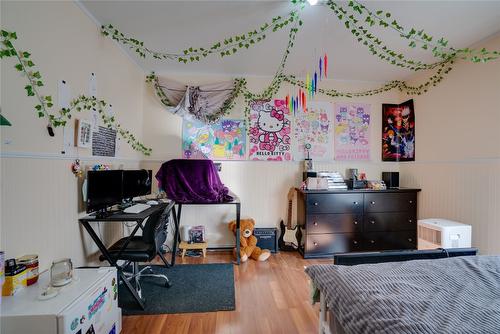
point(143, 248)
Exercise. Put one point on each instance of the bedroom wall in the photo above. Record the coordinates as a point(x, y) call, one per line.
point(458, 150)
point(262, 186)
point(40, 197)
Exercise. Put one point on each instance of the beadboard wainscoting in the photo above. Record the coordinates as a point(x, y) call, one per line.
point(464, 191)
point(262, 187)
point(41, 204)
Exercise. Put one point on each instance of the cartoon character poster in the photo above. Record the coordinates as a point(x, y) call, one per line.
point(269, 131)
point(398, 132)
point(313, 129)
point(224, 140)
point(352, 131)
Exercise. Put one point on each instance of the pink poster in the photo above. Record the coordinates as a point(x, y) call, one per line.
point(269, 131)
point(352, 131)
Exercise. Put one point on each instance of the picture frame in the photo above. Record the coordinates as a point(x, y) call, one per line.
point(83, 133)
point(398, 132)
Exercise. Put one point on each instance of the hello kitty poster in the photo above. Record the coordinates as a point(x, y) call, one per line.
point(352, 131)
point(314, 127)
point(224, 140)
point(270, 131)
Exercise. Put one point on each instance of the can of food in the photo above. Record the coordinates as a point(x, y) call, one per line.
point(15, 278)
point(31, 263)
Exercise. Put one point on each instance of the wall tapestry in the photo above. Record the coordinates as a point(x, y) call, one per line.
point(224, 140)
point(398, 132)
point(314, 127)
point(352, 131)
point(269, 130)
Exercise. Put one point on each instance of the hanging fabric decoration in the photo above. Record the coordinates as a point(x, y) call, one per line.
point(320, 69)
point(207, 103)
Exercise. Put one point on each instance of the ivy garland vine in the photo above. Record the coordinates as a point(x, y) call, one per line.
point(26, 67)
point(229, 46)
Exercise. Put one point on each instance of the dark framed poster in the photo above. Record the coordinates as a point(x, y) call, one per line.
point(398, 132)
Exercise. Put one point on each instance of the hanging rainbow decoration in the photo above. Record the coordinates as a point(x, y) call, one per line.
point(299, 101)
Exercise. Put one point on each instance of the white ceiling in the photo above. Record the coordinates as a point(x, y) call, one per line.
point(175, 25)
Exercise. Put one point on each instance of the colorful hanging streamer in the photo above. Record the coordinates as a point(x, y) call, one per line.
point(325, 61)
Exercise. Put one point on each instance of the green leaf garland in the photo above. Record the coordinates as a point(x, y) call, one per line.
point(26, 66)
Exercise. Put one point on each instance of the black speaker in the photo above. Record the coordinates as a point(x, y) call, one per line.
point(391, 179)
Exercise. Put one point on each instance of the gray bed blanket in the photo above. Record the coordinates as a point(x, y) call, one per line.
point(452, 295)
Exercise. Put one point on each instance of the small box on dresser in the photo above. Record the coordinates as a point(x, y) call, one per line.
point(356, 220)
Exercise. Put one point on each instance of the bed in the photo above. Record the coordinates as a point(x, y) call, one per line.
point(451, 295)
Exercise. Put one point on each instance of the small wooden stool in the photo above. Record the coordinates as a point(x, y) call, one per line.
point(201, 245)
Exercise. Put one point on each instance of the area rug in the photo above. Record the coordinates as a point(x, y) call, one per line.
point(195, 288)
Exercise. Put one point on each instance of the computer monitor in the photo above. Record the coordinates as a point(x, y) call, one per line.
point(136, 183)
point(104, 189)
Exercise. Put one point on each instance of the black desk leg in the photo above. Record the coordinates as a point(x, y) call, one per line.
point(108, 257)
point(177, 219)
point(238, 208)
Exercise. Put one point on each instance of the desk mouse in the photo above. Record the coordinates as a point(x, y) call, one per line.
point(152, 202)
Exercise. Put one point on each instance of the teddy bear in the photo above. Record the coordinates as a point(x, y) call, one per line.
point(248, 242)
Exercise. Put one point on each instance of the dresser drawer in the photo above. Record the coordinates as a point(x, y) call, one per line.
point(326, 244)
point(334, 203)
point(334, 223)
point(377, 241)
point(390, 202)
point(392, 221)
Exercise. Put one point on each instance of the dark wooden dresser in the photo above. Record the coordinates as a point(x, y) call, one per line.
point(356, 220)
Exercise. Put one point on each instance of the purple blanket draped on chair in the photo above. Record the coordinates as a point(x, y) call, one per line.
point(192, 181)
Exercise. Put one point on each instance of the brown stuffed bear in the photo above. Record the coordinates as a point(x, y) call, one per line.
point(248, 242)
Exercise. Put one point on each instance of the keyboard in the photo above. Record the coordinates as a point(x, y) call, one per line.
point(136, 208)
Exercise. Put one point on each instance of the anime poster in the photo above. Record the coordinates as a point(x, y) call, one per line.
point(224, 140)
point(352, 131)
point(269, 131)
point(314, 127)
point(398, 132)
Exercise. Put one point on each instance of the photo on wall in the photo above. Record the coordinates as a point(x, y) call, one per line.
point(270, 130)
point(224, 140)
point(352, 131)
point(313, 128)
point(398, 132)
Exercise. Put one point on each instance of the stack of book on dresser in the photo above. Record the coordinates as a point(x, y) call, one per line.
point(335, 180)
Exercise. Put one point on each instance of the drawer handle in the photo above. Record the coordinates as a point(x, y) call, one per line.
point(411, 202)
point(372, 222)
point(315, 203)
point(315, 243)
point(355, 223)
point(372, 241)
point(372, 202)
point(315, 224)
point(410, 239)
point(355, 242)
point(355, 203)
point(410, 221)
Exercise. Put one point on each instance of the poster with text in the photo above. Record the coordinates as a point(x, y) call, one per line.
point(398, 132)
point(313, 132)
point(352, 131)
point(269, 131)
point(224, 140)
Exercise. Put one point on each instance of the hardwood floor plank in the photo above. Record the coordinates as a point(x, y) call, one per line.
point(271, 297)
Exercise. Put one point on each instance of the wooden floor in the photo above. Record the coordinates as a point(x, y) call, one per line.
point(271, 297)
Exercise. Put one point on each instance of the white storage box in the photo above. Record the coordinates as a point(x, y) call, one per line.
point(89, 304)
point(442, 233)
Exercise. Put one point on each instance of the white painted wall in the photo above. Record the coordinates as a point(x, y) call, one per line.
point(457, 143)
point(262, 186)
point(40, 197)
point(458, 150)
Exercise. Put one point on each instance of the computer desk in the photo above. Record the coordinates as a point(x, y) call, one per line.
point(138, 218)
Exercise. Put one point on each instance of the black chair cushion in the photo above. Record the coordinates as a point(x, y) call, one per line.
point(137, 250)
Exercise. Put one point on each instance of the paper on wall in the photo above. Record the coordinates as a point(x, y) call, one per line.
point(64, 94)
